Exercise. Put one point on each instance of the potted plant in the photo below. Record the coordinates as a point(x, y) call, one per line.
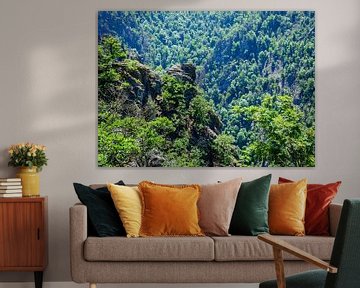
point(30, 158)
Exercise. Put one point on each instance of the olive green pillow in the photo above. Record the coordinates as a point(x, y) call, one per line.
point(250, 216)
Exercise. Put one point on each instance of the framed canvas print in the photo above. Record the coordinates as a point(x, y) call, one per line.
point(206, 89)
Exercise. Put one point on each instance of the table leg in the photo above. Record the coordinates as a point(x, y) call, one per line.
point(38, 279)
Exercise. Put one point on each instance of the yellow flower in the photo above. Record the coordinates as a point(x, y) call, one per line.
point(41, 147)
point(22, 152)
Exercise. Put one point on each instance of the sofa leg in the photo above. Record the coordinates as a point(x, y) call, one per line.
point(92, 285)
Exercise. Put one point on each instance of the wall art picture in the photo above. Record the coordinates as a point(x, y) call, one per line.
point(206, 89)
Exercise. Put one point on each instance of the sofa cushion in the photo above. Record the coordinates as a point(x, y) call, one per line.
point(149, 249)
point(169, 210)
point(250, 215)
point(216, 206)
point(127, 201)
point(243, 248)
point(318, 199)
point(287, 204)
point(102, 216)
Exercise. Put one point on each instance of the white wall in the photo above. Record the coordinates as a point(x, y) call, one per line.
point(48, 95)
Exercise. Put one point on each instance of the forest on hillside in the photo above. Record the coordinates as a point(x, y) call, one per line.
point(205, 89)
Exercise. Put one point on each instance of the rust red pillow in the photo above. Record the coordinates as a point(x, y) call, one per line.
point(319, 197)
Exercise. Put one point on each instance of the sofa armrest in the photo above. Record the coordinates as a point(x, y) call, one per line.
point(78, 235)
point(334, 216)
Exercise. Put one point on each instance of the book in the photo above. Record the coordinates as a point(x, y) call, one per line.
point(4, 195)
point(10, 180)
point(10, 191)
point(10, 187)
point(10, 183)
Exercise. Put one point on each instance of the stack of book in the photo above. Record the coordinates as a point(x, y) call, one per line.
point(10, 187)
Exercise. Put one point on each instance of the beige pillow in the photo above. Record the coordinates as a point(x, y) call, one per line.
point(216, 205)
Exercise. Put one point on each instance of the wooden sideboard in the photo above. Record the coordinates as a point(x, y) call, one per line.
point(23, 235)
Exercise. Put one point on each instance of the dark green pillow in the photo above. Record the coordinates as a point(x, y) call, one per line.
point(250, 216)
point(103, 218)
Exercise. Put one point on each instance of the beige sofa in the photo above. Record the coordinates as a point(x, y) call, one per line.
point(234, 259)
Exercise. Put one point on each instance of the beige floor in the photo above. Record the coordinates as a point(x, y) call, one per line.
point(73, 285)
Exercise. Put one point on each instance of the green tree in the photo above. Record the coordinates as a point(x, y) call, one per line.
point(110, 52)
point(279, 136)
point(225, 152)
point(131, 141)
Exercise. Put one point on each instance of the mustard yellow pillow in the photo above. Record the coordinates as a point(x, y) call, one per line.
point(169, 210)
point(127, 201)
point(287, 204)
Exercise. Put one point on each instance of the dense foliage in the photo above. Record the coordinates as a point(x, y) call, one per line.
point(206, 89)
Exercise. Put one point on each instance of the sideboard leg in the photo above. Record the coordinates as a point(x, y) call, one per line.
point(38, 279)
point(92, 285)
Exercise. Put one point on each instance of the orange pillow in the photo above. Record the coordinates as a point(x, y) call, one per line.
point(318, 200)
point(169, 210)
point(287, 204)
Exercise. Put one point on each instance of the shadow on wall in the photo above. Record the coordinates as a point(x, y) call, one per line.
point(48, 69)
point(4, 159)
